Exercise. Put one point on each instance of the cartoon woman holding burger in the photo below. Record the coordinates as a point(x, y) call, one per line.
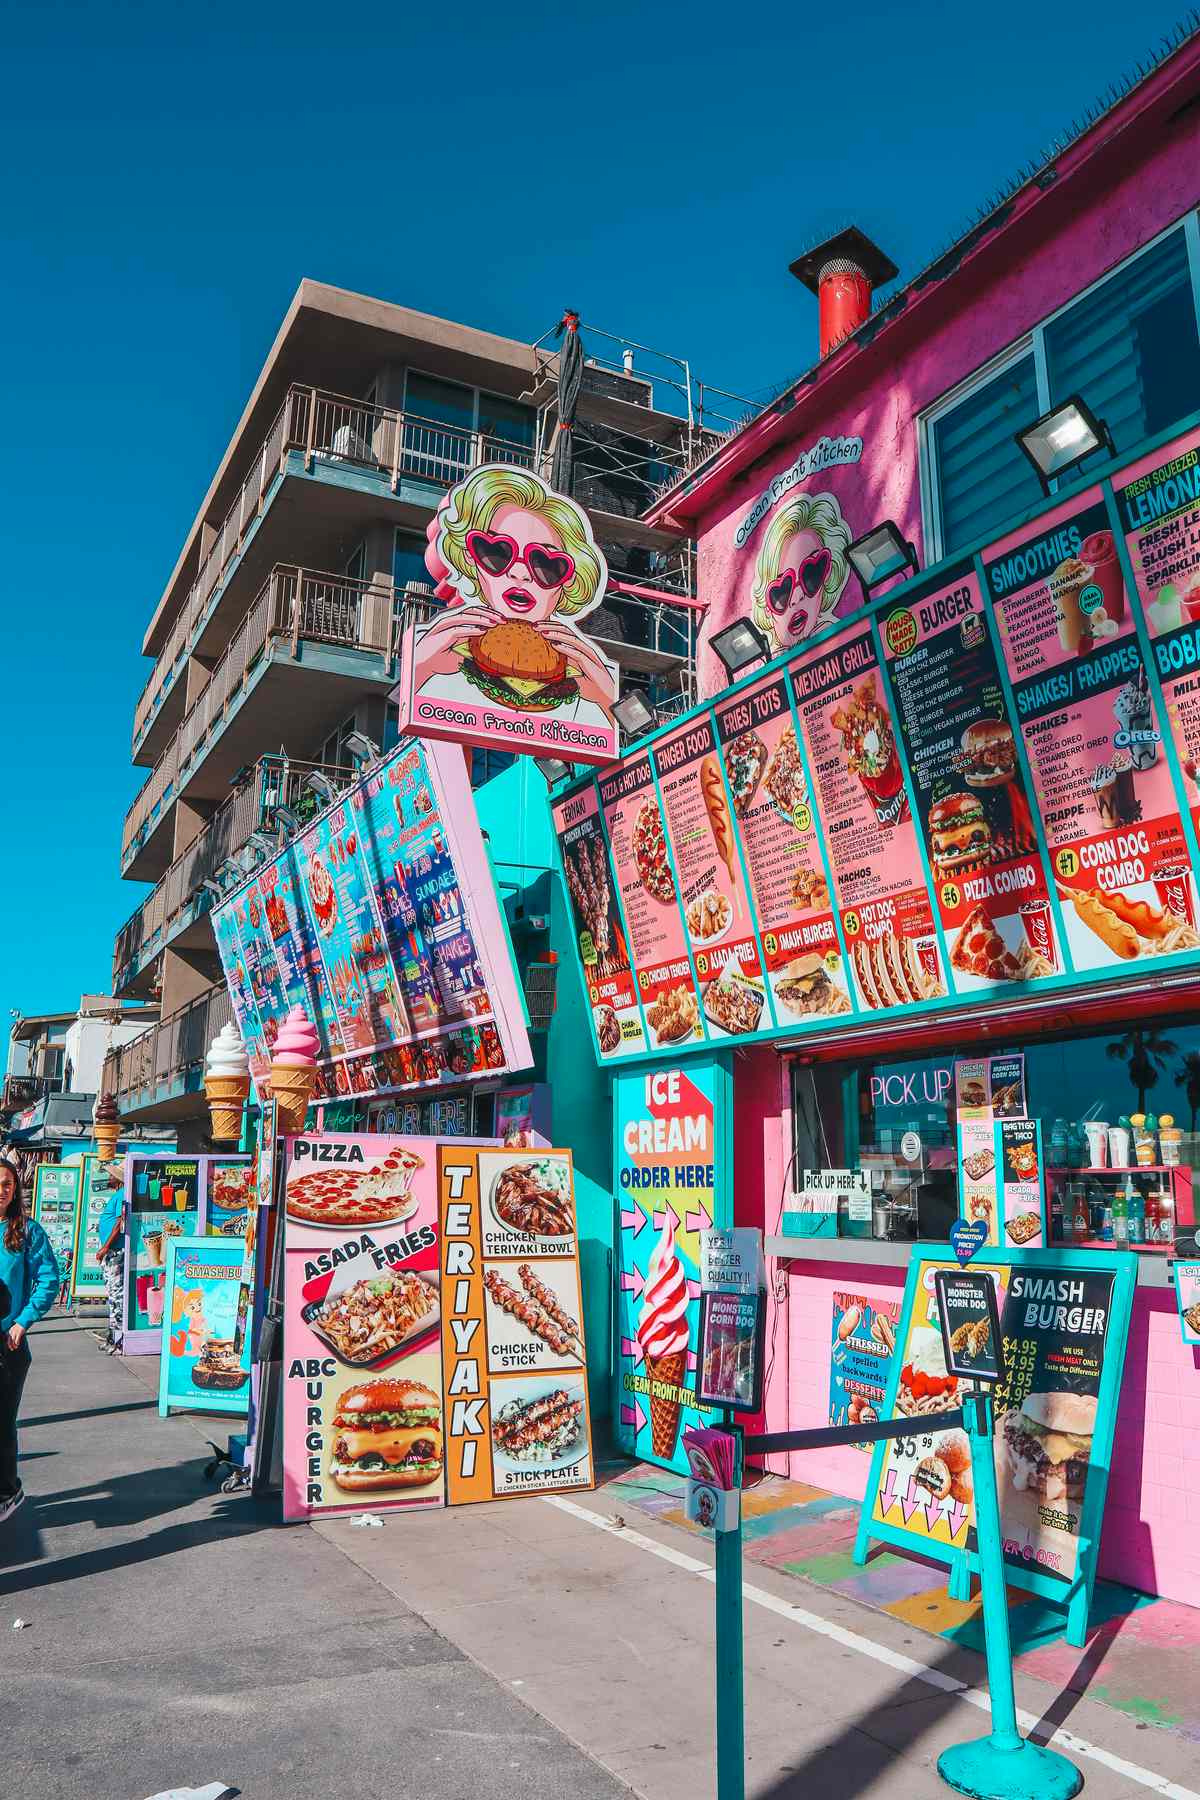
point(518, 564)
point(801, 570)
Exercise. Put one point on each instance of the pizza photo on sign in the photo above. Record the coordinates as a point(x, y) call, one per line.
point(650, 854)
point(980, 950)
point(341, 1198)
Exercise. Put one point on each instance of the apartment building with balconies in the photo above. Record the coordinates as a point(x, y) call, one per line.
point(277, 635)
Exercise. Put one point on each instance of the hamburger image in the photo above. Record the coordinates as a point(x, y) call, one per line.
point(387, 1434)
point(960, 836)
point(513, 665)
point(1048, 1443)
point(989, 753)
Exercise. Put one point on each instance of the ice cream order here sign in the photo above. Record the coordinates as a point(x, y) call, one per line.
point(673, 1182)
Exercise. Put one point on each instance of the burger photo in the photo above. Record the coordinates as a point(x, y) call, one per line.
point(386, 1434)
point(1048, 1444)
point(513, 665)
point(989, 753)
point(960, 836)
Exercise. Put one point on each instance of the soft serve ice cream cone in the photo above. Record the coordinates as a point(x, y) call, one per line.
point(106, 1126)
point(226, 1083)
point(662, 1332)
point(294, 1069)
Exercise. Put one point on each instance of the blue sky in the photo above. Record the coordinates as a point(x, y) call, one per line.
point(173, 173)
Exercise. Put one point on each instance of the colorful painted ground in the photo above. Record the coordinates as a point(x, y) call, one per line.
point(1141, 1652)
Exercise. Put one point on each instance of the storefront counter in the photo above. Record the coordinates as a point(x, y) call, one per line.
point(1154, 1266)
point(1151, 1533)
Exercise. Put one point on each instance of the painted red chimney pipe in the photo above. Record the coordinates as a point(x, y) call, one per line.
point(843, 272)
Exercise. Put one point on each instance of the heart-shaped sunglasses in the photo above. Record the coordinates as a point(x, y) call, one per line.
point(496, 554)
point(810, 577)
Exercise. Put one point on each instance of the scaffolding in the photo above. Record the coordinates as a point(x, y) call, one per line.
point(643, 421)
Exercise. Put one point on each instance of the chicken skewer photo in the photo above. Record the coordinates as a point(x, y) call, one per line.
point(548, 1301)
point(535, 1320)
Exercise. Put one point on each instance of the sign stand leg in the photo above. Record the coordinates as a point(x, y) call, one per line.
point(1004, 1765)
point(731, 1715)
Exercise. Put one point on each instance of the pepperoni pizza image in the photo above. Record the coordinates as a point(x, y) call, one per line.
point(346, 1198)
point(650, 854)
point(980, 950)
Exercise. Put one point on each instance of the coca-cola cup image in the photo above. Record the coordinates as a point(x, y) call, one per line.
point(1035, 922)
point(1174, 890)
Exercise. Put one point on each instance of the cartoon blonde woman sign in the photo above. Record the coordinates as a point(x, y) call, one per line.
point(505, 665)
point(801, 570)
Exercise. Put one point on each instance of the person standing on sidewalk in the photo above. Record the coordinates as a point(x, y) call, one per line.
point(110, 1230)
point(28, 1283)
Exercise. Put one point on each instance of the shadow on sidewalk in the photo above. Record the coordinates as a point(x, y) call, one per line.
point(86, 1412)
point(119, 1503)
point(865, 1748)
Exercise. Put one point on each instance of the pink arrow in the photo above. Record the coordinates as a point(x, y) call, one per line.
point(889, 1492)
point(633, 1415)
point(957, 1518)
point(933, 1512)
point(632, 1282)
point(631, 1350)
point(660, 1217)
point(633, 1221)
point(700, 1221)
point(692, 1365)
point(694, 1289)
point(911, 1502)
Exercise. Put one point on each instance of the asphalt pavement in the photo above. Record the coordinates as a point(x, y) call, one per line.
point(176, 1636)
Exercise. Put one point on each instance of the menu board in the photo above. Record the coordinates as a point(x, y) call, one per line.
point(988, 882)
point(98, 1182)
point(983, 785)
point(56, 1206)
point(202, 1368)
point(362, 1363)
point(382, 921)
point(514, 1362)
point(1158, 500)
point(162, 1200)
point(599, 932)
point(229, 1184)
point(712, 889)
point(646, 883)
point(886, 918)
point(1064, 1316)
point(1093, 736)
point(768, 786)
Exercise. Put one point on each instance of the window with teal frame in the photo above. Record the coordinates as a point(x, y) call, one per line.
point(1129, 346)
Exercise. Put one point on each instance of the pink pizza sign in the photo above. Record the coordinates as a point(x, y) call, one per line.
point(504, 665)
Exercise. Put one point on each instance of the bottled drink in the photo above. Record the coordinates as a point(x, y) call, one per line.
point(1120, 1216)
point(1137, 1217)
point(1153, 1218)
point(1107, 1227)
point(1081, 1225)
point(1166, 1217)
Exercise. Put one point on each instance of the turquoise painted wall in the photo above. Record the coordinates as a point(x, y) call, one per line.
point(514, 811)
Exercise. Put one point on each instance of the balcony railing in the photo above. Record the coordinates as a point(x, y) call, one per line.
point(26, 1090)
point(292, 603)
point(325, 428)
point(276, 781)
point(168, 1052)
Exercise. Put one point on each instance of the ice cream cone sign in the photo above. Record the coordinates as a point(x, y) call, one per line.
point(227, 1083)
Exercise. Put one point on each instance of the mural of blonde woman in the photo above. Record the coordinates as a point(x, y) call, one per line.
point(518, 565)
point(801, 570)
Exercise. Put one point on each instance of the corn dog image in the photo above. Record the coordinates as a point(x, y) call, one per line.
point(1148, 921)
point(715, 804)
point(1117, 933)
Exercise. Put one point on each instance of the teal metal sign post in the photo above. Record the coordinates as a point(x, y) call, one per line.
point(731, 1700)
point(1003, 1765)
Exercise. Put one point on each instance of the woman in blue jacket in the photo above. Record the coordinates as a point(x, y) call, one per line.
point(29, 1281)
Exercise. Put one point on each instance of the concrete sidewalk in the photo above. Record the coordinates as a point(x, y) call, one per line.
point(177, 1636)
point(499, 1649)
